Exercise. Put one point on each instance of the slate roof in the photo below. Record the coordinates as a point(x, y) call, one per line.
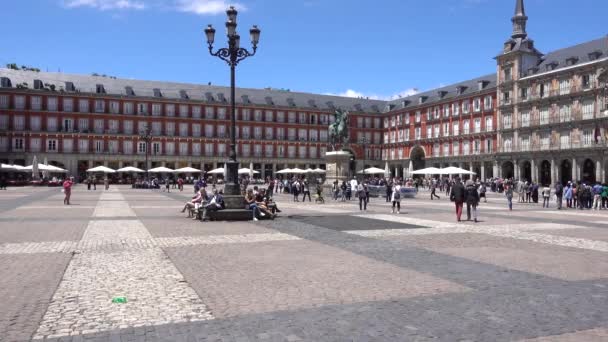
point(469, 87)
point(206, 93)
point(581, 52)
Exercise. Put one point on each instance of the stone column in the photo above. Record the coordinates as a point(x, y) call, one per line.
point(495, 172)
point(603, 170)
point(533, 171)
point(598, 171)
point(120, 164)
point(575, 176)
point(553, 173)
point(483, 171)
point(462, 167)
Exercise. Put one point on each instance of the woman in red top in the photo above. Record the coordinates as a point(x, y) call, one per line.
point(67, 190)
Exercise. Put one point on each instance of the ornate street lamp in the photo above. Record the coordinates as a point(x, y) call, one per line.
point(146, 135)
point(232, 55)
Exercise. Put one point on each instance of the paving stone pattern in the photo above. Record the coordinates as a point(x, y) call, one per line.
point(318, 273)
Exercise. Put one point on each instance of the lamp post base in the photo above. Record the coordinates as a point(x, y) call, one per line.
point(234, 201)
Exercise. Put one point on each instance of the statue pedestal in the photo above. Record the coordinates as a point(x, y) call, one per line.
point(337, 164)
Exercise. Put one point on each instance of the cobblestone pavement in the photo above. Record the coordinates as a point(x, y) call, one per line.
point(317, 273)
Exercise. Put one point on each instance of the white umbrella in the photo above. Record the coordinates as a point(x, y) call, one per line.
point(246, 171)
point(130, 169)
point(428, 171)
point(218, 171)
point(42, 167)
point(309, 170)
point(161, 169)
point(53, 168)
point(284, 171)
point(371, 171)
point(102, 169)
point(187, 169)
point(318, 170)
point(7, 167)
point(298, 171)
point(452, 170)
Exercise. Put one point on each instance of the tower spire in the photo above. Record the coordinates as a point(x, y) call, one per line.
point(519, 20)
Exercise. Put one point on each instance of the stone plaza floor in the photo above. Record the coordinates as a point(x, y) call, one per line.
point(317, 273)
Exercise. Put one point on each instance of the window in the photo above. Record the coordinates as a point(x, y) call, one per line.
point(246, 150)
point(114, 107)
point(257, 150)
point(113, 146)
point(268, 116)
point(142, 108)
point(588, 81)
point(466, 107)
point(436, 150)
point(544, 115)
point(68, 125)
point(507, 144)
point(507, 121)
point(4, 122)
point(83, 105)
point(280, 151)
point(446, 129)
point(51, 104)
point(588, 109)
point(524, 93)
point(564, 140)
point(436, 131)
point(68, 104)
point(35, 144)
point(407, 119)
point(196, 112)
point(257, 115)
point(565, 113)
point(169, 110)
point(477, 105)
point(156, 148)
point(477, 124)
point(100, 106)
point(19, 102)
point(221, 150)
point(141, 147)
point(524, 143)
point(196, 149)
point(446, 149)
point(83, 125)
point(417, 133)
point(67, 145)
point(17, 144)
point(564, 87)
point(36, 103)
point(291, 151)
point(245, 132)
point(183, 129)
point(142, 126)
point(466, 148)
point(257, 133)
point(169, 148)
point(127, 127)
point(4, 102)
point(83, 145)
point(477, 146)
point(302, 134)
point(487, 103)
point(170, 128)
point(446, 110)
point(489, 124)
point(196, 130)
point(99, 126)
point(324, 137)
point(98, 146)
point(302, 152)
point(35, 123)
point(302, 118)
point(436, 113)
point(466, 126)
point(455, 109)
point(359, 122)
point(268, 151)
point(209, 113)
point(156, 109)
point(455, 148)
point(183, 148)
point(280, 116)
point(113, 126)
point(246, 114)
point(291, 117)
point(221, 113)
point(488, 146)
point(51, 124)
point(525, 118)
point(291, 134)
point(209, 131)
point(269, 133)
point(19, 122)
point(183, 111)
point(128, 108)
point(429, 131)
point(127, 147)
point(455, 128)
point(417, 116)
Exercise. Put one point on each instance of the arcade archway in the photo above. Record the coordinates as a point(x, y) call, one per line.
point(508, 170)
point(566, 171)
point(588, 171)
point(545, 173)
point(526, 171)
point(417, 156)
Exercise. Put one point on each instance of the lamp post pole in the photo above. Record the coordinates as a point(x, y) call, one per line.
point(232, 55)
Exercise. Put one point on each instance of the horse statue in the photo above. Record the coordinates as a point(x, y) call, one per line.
point(338, 131)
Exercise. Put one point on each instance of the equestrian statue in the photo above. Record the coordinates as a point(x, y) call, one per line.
point(338, 131)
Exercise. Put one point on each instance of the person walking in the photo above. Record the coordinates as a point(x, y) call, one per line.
point(89, 183)
point(508, 188)
point(559, 192)
point(389, 191)
point(472, 199)
point(343, 191)
point(396, 198)
point(458, 196)
point(597, 196)
point(568, 195)
point(335, 189)
point(575, 189)
point(67, 190)
point(605, 196)
point(295, 187)
point(361, 195)
point(433, 190)
point(546, 196)
point(106, 183)
point(306, 191)
point(482, 192)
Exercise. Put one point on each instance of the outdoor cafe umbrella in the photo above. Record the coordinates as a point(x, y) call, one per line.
point(41, 167)
point(187, 169)
point(452, 170)
point(319, 170)
point(218, 171)
point(101, 169)
point(428, 171)
point(371, 171)
point(284, 171)
point(246, 171)
point(161, 169)
point(297, 170)
point(130, 169)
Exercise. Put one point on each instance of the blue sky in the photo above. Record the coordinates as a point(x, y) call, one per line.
point(357, 47)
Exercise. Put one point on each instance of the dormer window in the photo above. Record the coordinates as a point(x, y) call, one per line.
point(482, 84)
point(358, 107)
point(291, 102)
point(442, 93)
point(571, 61)
point(129, 91)
point(221, 97)
point(422, 99)
point(157, 92)
point(404, 103)
point(5, 82)
point(209, 97)
point(245, 99)
point(269, 101)
point(330, 105)
point(183, 94)
point(38, 84)
point(461, 89)
point(532, 71)
point(595, 55)
point(552, 66)
point(312, 104)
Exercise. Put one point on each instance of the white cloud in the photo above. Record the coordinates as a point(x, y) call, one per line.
point(105, 5)
point(204, 7)
point(357, 94)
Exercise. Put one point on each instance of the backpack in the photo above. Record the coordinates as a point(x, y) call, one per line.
point(397, 195)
